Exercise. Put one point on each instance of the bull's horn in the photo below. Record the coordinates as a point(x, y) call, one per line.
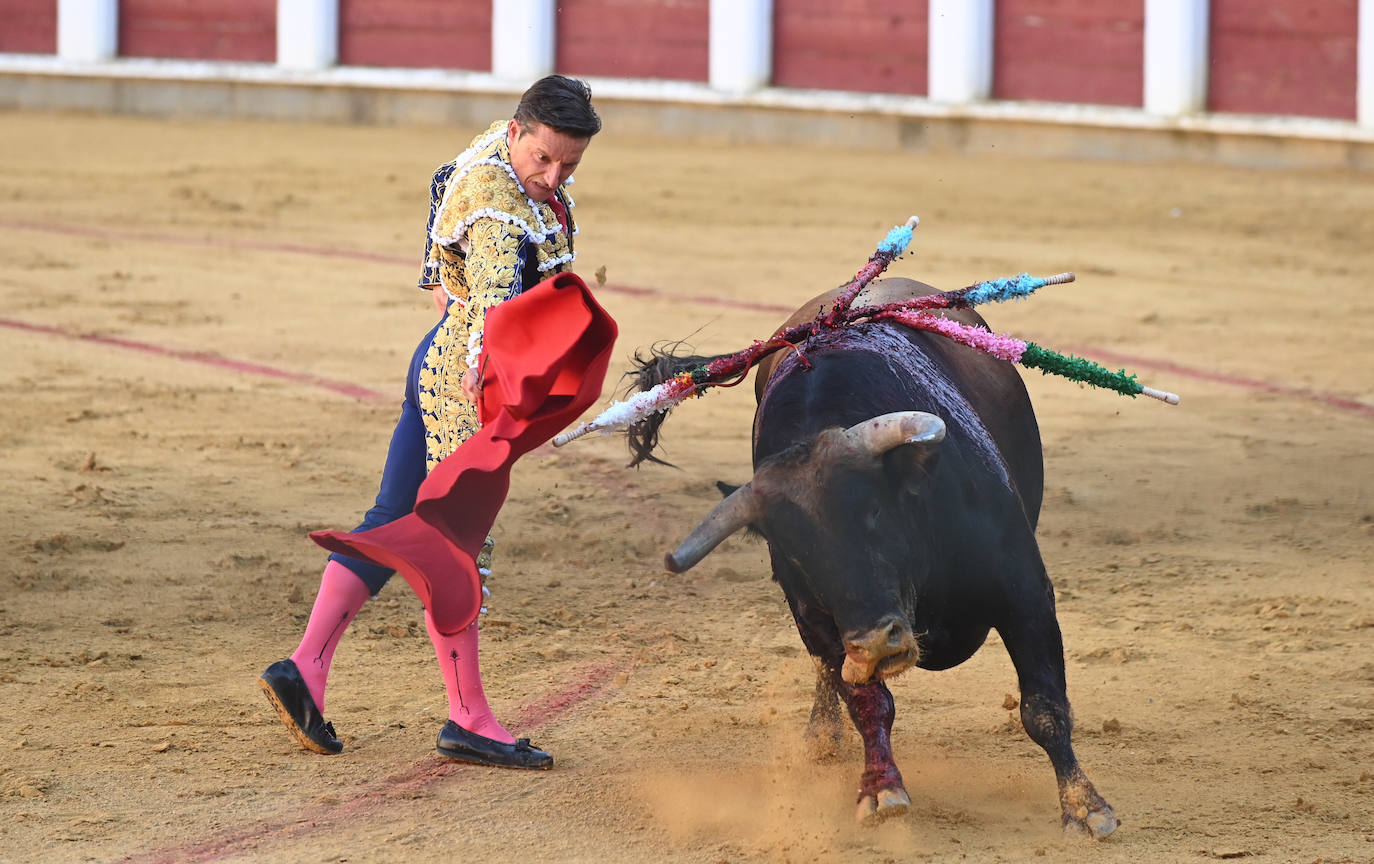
point(878, 435)
point(730, 515)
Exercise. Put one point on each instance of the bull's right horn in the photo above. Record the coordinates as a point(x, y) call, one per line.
point(730, 515)
point(877, 435)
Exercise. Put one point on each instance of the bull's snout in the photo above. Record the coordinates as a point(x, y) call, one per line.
point(887, 649)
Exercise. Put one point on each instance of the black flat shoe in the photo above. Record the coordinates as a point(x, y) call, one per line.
point(457, 743)
point(285, 689)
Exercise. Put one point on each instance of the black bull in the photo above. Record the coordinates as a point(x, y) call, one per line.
point(898, 481)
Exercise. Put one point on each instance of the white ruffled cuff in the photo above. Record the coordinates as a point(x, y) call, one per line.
point(474, 348)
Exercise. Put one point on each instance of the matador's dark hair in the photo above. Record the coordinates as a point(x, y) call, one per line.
point(563, 104)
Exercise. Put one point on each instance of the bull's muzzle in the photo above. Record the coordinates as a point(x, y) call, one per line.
point(886, 650)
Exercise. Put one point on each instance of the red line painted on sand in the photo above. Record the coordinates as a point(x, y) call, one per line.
point(203, 358)
point(229, 243)
point(375, 798)
point(236, 245)
point(1327, 399)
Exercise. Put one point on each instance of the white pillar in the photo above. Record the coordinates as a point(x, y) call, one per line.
point(741, 40)
point(523, 33)
point(959, 54)
point(1364, 87)
point(959, 50)
point(87, 30)
point(1176, 56)
point(307, 34)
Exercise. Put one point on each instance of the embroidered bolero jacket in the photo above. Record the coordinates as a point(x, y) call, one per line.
point(487, 240)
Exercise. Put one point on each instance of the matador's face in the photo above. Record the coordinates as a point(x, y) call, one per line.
point(542, 157)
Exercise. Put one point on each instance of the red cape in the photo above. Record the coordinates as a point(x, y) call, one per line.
point(545, 355)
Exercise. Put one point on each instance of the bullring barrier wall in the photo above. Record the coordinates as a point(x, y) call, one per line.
point(1261, 82)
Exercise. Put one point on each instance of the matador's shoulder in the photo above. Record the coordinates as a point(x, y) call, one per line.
point(482, 185)
point(488, 191)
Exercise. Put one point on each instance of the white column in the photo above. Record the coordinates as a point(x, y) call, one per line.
point(959, 55)
point(1176, 56)
point(523, 33)
point(1364, 87)
point(87, 30)
point(741, 39)
point(307, 34)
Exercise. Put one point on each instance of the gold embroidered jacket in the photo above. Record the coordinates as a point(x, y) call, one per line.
point(486, 241)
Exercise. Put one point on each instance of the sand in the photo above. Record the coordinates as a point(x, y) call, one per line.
point(184, 307)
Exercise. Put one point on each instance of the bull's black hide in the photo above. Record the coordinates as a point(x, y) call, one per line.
point(901, 541)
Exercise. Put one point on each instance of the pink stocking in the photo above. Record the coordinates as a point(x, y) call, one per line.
point(341, 595)
point(467, 703)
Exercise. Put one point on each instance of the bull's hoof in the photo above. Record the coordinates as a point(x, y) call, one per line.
point(1093, 824)
point(885, 805)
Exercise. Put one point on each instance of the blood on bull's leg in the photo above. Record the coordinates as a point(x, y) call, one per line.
point(881, 791)
point(870, 706)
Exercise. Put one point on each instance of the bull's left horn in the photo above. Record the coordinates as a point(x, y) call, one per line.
point(730, 515)
point(878, 435)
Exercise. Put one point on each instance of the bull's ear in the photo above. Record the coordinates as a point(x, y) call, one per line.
point(911, 465)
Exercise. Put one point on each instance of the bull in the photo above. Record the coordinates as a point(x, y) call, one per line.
point(898, 480)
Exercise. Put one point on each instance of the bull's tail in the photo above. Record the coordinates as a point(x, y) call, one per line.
point(663, 362)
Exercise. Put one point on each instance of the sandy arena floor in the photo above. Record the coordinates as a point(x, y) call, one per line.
point(1212, 561)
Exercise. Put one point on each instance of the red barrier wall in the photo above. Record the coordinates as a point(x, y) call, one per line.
point(877, 46)
point(199, 29)
point(1284, 57)
point(1089, 51)
point(445, 34)
point(28, 26)
point(634, 38)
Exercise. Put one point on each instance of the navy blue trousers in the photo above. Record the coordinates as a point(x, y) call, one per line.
point(405, 469)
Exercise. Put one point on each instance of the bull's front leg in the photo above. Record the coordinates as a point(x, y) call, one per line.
point(1037, 651)
point(881, 791)
point(1048, 722)
point(824, 731)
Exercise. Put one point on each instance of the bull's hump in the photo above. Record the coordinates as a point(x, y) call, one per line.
point(920, 375)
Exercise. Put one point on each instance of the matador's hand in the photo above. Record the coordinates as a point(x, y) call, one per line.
point(472, 386)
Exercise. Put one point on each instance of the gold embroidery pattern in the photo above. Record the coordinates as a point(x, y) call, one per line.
point(487, 192)
point(493, 268)
point(450, 419)
point(487, 209)
point(493, 263)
